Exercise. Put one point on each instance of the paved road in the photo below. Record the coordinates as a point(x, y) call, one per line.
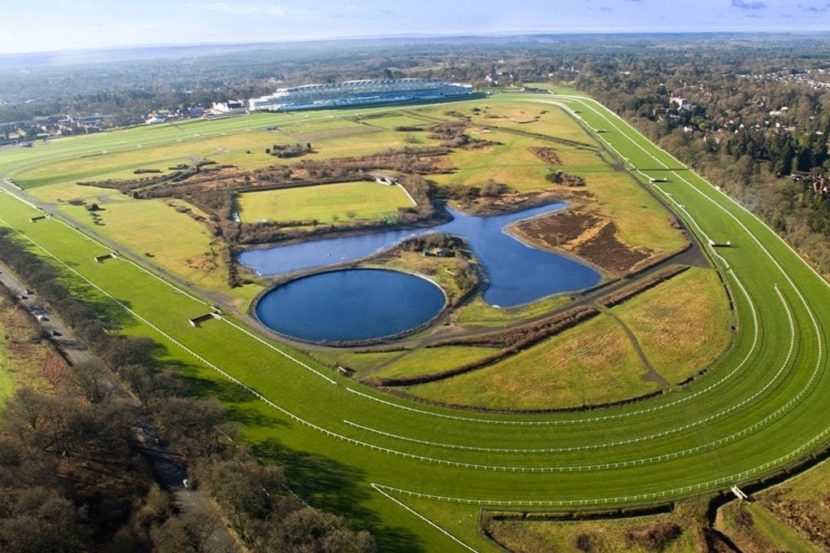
point(166, 465)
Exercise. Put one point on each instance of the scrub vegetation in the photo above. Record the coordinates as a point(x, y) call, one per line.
point(791, 516)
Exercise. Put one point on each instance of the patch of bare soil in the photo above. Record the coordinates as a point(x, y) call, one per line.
point(508, 203)
point(584, 234)
point(548, 155)
point(204, 263)
point(54, 369)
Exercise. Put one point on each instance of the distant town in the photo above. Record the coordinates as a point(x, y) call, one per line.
point(313, 96)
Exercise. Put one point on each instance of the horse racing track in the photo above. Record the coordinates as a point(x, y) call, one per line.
point(427, 472)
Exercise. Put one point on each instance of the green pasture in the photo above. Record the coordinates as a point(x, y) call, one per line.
point(589, 364)
point(433, 360)
point(682, 324)
point(327, 203)
point(760, 408)
point(479, 313)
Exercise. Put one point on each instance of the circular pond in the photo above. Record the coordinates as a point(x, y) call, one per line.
point(350, 305)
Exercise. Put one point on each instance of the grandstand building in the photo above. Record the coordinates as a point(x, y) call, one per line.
point(359, 93)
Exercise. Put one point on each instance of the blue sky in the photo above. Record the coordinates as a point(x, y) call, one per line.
point(38, 25)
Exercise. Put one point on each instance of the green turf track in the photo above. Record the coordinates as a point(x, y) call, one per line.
point(431, 470)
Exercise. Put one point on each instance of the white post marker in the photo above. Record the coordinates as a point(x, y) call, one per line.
point(739, 493)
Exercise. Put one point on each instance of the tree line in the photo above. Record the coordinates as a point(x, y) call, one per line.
point(75, 477)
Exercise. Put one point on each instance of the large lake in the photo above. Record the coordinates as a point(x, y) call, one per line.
point(517, 273)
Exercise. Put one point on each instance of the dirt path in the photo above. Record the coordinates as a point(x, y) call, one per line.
point(165, 464)
point(650, 373)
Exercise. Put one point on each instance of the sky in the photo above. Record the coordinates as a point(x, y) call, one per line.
point(53, 25)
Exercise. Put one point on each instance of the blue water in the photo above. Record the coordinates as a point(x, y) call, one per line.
point(349, 305)
point(516, 272)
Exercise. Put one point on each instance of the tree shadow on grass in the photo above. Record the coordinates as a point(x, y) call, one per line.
point(223, 390)
point(253, 417)
point(234, 397)
point(337, 488)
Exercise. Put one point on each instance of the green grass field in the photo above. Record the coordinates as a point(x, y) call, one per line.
point(589, 364)
point(327, 203)
point(145, 227)
point(433, 360)
point(681, 325)
point(420, 475)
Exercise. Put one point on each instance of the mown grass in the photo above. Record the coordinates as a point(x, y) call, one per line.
point(360, 362)
point(326, 203)
point(371, 365)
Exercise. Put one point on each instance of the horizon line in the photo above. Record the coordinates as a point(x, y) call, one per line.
point(418, 36)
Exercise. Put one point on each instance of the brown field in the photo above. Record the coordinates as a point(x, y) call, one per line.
point(587, 235)
point(24, 358)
